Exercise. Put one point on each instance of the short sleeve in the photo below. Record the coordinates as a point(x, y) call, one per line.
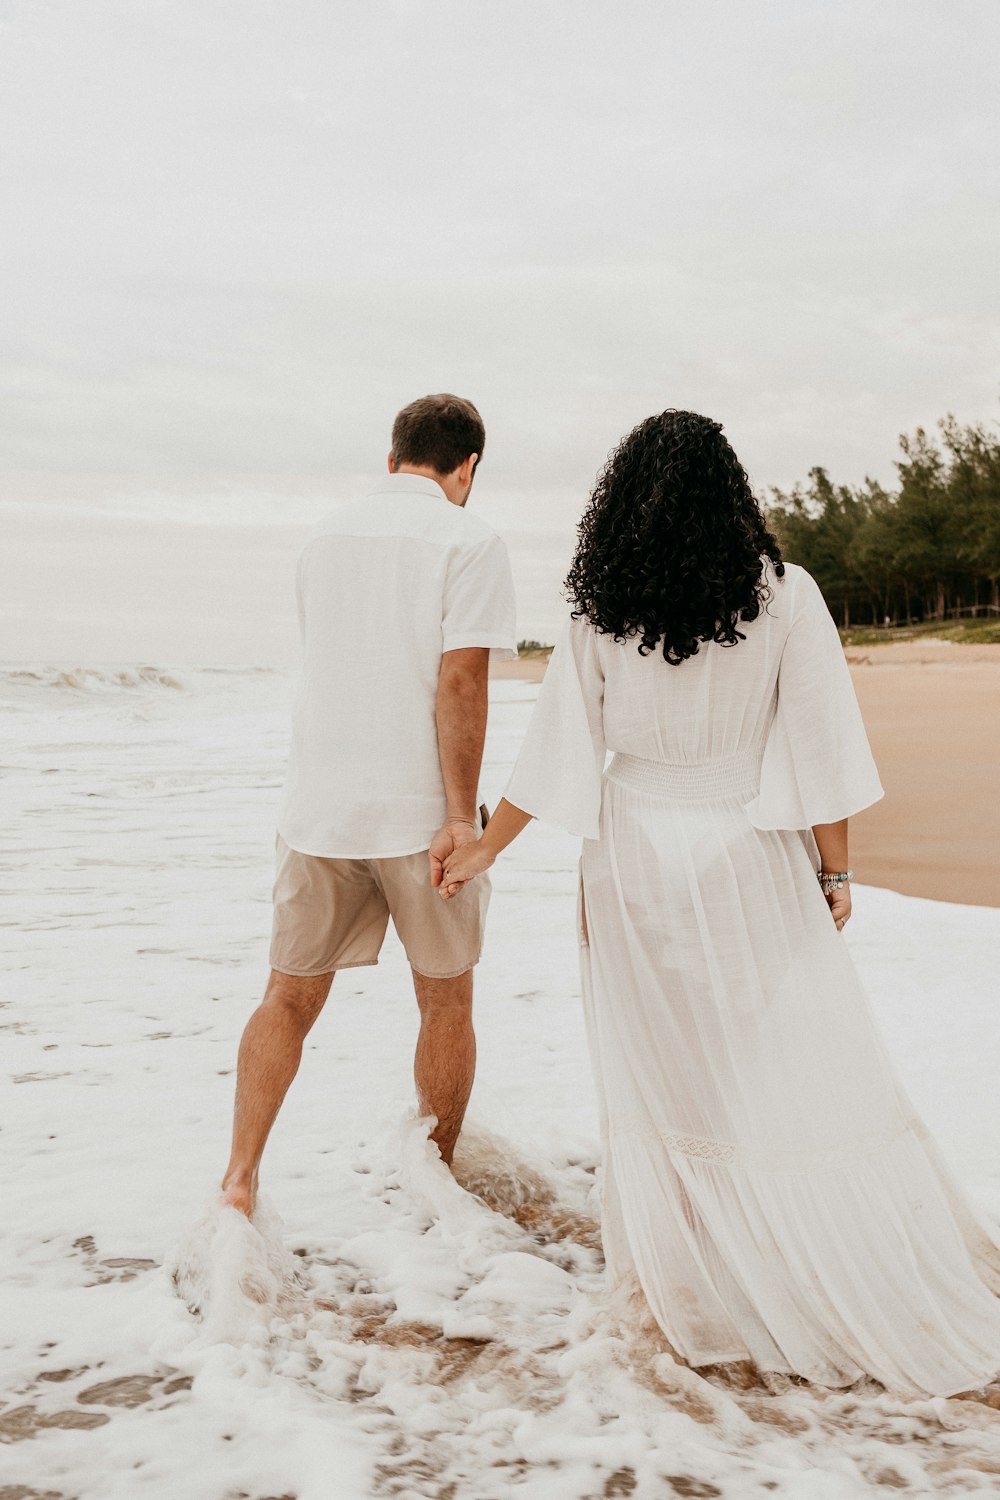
point(817, 764)
point(478, 605)
point(558, 773)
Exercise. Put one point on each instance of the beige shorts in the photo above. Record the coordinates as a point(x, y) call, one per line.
point(333, 914)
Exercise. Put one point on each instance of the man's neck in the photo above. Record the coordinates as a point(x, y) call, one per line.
point(439, 479)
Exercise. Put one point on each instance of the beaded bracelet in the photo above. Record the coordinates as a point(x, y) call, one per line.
point(832, 880)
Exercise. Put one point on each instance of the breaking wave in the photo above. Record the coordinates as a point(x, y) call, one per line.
point(124, 678)
point(92, 679)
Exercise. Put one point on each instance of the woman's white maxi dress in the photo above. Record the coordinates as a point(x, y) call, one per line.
point(765, 1177)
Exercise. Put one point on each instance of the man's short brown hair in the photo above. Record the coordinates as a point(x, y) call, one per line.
point(437, 432)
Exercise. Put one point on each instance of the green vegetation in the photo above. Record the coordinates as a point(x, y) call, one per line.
point(984, 631)
point(533, 648)
point(925, 554)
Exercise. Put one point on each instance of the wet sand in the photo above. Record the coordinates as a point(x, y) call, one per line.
point(933, 715)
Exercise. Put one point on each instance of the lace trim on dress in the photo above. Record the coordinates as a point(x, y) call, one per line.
point(728, 1153)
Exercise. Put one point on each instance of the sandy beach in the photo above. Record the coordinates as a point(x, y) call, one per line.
point(932, 710)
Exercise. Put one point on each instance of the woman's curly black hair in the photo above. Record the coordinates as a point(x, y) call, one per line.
point(671, 544)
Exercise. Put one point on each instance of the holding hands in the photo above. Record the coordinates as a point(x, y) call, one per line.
point(457, 860)
point(462, 865)
point(454, 834)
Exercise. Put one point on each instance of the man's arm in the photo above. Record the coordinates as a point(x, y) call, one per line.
point(461, 709)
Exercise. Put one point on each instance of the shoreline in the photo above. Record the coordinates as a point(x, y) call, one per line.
point(932, 711)
point(929, 652)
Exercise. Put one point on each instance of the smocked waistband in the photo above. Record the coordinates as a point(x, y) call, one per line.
point(737, 776)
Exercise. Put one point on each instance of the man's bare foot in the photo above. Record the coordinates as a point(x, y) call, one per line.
point(240, 1193)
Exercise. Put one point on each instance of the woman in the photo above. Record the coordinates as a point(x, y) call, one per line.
point(765, 1177)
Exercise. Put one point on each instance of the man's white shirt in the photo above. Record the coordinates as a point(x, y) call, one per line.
point(384, 586)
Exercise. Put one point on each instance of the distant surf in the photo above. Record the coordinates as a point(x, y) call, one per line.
point(106, 677)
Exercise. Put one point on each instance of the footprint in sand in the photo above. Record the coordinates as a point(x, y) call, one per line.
point(104, 1270)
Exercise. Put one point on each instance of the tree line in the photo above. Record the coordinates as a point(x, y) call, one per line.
point(926, 550)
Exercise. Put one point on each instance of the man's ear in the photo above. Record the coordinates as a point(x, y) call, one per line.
point(392, 463)
point(469, 468)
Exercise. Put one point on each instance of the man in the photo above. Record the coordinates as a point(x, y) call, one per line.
point(403, 597)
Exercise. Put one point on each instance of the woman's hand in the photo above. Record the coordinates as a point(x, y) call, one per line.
point(463, 865)
point(453, 833)
point(839, 902)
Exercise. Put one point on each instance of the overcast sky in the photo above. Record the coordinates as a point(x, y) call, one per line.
point(239, 234)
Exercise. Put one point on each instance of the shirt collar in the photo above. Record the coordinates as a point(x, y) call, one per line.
point(416, 484)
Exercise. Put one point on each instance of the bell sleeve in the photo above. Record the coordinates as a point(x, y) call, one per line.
point(817, 764)
point(558, 772)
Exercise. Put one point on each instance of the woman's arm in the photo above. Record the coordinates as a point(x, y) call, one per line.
point(831, 841)
point(472, 859)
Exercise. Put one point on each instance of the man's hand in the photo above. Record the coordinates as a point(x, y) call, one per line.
point(452, 835)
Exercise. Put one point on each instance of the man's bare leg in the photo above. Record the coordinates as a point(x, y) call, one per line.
point(269, 1057)
point(445, 1061)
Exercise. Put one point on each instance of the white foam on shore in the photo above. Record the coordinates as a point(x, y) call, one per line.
point(396, 1331)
